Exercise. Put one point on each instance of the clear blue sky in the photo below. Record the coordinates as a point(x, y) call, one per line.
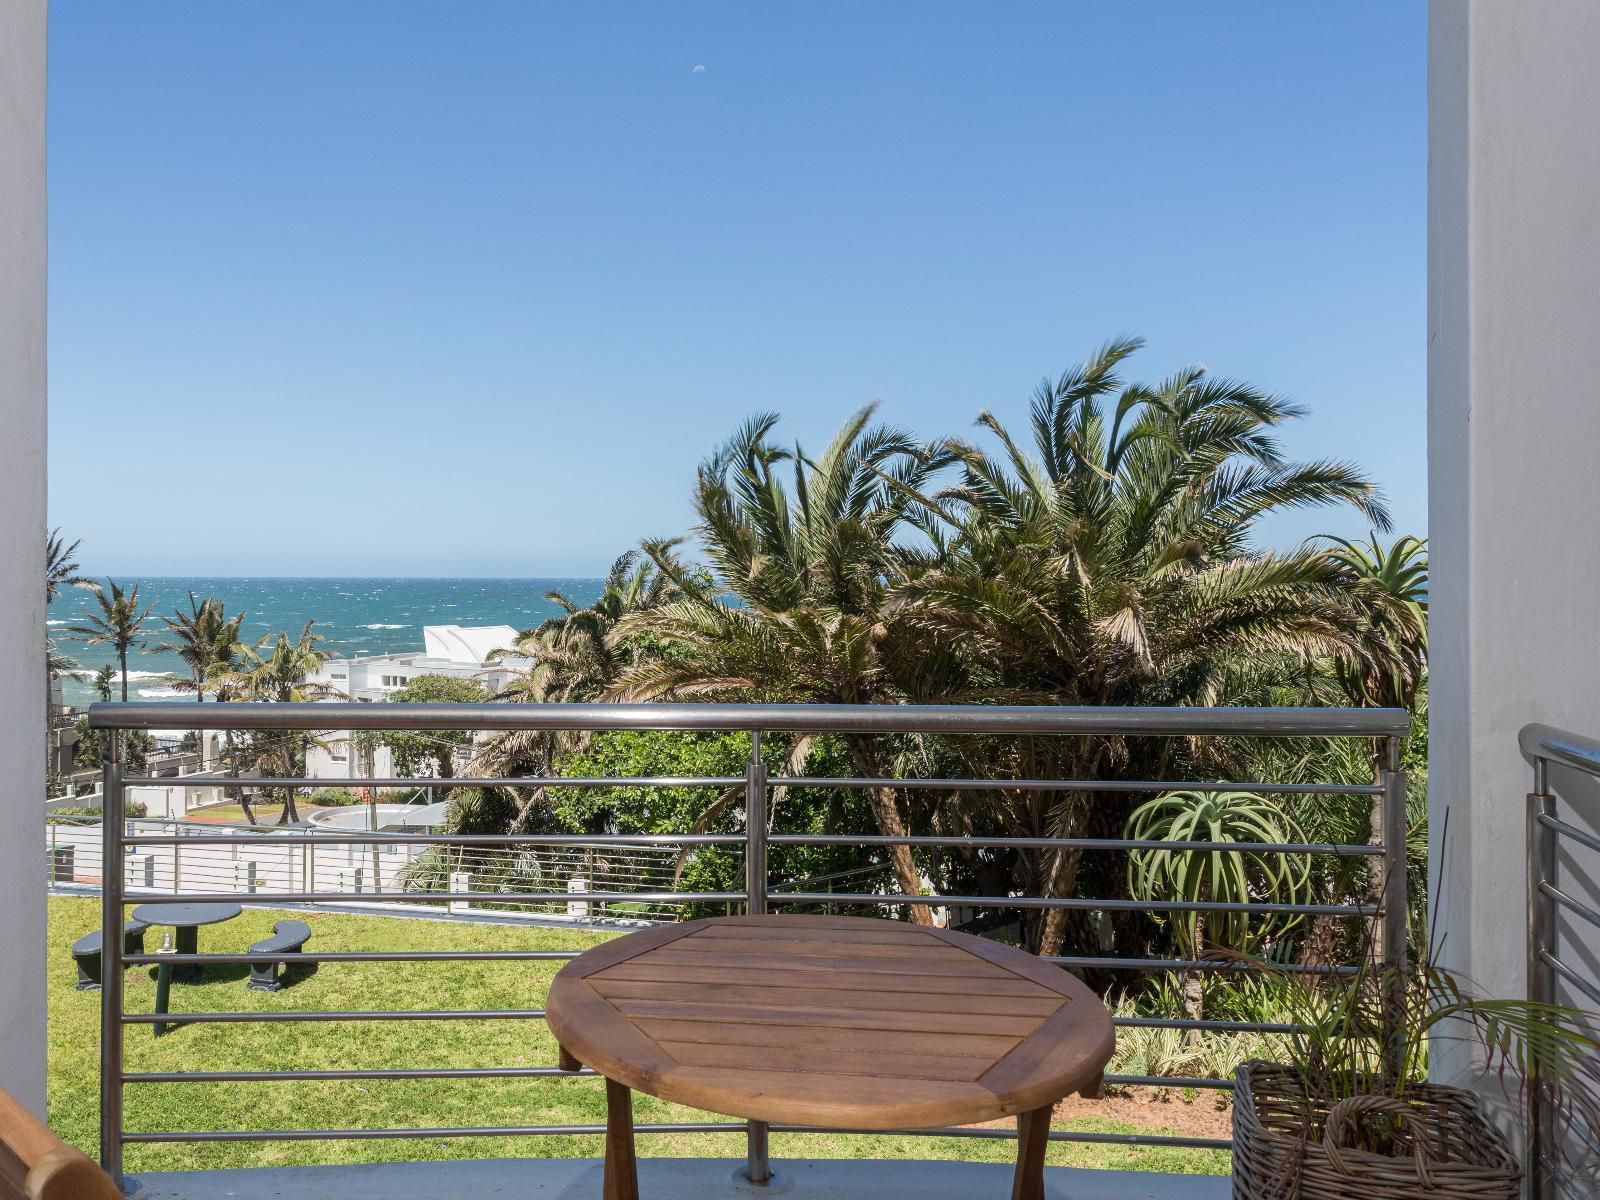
point(432, 288)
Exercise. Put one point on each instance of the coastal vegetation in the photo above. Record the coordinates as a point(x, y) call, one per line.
point(1107, 550)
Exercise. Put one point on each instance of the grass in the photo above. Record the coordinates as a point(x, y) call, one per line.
point(74, 1061)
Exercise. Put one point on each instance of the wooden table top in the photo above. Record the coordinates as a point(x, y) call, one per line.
point(817, 1020)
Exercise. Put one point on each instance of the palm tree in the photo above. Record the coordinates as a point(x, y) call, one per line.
point(205, 639)
point(1388, 588)
point(276, 672)
point(1114, 565)
point(61, 566)
point(118, 624)
point(575, 657)
point(810, 565)
point(60, 571)
point(581, 653)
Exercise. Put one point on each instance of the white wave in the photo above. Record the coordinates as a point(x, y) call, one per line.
point(132, 675)
point(386, 627)
point(61, 621)
point(161, 693)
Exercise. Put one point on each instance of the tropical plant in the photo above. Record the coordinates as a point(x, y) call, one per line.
point(275, 671)
point(205, 638)
point(1386, 664)
point(810, 565)
point(117, 624)
point(574, 657)
point(1115, 565)
point(1232, 872)
point(61, 566)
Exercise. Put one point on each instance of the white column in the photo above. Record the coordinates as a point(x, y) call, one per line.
point(22, 521)
point(1514, 441)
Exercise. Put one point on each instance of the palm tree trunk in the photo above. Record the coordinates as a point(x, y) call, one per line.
point(122, 659)
point(886, 811)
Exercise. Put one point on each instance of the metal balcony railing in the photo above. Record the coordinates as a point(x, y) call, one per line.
point(1385, 727)
point(1555, 841)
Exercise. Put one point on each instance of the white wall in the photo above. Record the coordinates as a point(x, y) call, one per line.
point(1514, 439)
point(22, 519)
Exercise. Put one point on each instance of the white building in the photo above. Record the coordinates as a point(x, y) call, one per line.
point(464, 652)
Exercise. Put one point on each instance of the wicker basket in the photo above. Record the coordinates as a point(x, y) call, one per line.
point(1287, 1146)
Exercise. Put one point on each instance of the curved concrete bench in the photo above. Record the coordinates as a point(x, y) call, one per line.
point(286, 942)
point(86, 953)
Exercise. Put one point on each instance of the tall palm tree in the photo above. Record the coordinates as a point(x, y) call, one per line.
point(61, 566)
point(205, 638)
point(1388, 588)
point(574, 657)
point(809, 562)
point(1114, 565)
point(60, 571)
point(118, 624)
point(275, 671)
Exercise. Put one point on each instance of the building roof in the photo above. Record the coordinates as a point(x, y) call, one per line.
point(468, 645)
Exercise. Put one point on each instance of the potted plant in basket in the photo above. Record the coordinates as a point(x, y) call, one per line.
point(1348, 1113)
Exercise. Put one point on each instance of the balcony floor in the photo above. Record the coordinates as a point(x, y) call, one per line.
point(662, 1179)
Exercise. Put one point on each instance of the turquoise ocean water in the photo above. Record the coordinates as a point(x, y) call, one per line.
point(356, 616)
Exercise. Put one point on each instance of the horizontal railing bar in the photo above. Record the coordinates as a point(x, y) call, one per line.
point(1197, 964)
point(320, 840)
point(1075, 785)
point(1581, 836)
point(383, 1073)
point(246, 1018)
point(313, 1135)
point(1085, 720)
point(964, 1131)
point(1571, 976)
point(1051, 843)
point(355, 956)
point(264, 898)
point(1560, 746)
point(1177, 1081)
point(444, 782)
point(1576, 907)
point(1076, 902)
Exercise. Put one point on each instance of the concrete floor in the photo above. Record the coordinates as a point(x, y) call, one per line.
point(662, 1179)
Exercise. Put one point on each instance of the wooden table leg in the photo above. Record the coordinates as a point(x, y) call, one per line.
point(1033, 1136)
point(565, 1061)
point(621, 1172)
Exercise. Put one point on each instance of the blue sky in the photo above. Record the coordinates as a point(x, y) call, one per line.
point(425, 288)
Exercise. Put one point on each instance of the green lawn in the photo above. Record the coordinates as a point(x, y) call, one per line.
point(74, 1061)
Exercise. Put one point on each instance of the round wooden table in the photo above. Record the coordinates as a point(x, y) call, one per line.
point(834, 1021)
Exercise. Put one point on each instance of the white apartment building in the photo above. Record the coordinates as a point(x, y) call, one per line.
point(461, 651)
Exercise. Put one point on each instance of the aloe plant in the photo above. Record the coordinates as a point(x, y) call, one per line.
point(1235, 875)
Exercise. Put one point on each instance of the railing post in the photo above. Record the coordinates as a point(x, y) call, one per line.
point(1395, 911)
point(111, 918)
point(756, 1168)
point(1541, 869)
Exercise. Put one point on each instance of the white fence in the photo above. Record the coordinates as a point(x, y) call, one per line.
point(202, 863)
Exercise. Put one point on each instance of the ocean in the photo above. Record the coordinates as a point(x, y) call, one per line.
point(355, 616)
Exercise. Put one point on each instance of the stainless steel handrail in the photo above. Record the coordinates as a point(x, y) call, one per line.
point(1387, 857)
point(1547, 834)
point(775, 718)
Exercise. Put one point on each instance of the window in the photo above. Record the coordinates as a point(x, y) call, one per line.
point(394, 681)
point(338, 675)
point(339, 751)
